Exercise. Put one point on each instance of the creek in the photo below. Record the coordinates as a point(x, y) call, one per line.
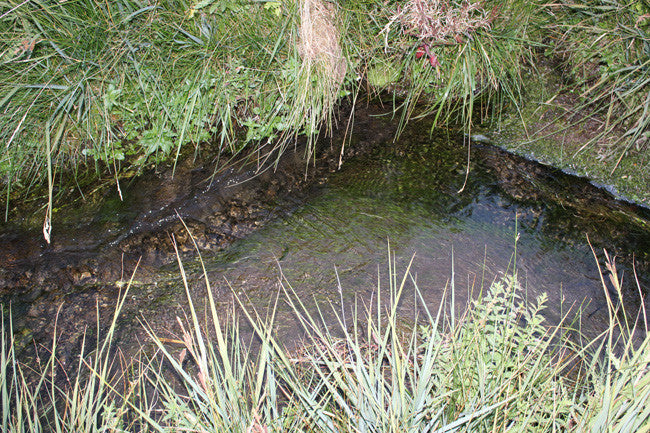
point(326, 234)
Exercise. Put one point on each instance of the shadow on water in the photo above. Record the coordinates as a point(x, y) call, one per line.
point(404, 196)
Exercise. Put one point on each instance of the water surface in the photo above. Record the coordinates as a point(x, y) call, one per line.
point(412, 199)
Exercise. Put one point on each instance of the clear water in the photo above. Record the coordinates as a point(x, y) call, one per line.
point(406, 198)
point(411, 198)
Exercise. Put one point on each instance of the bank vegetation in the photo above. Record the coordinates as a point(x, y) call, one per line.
point(93, 89)
point(496, 366)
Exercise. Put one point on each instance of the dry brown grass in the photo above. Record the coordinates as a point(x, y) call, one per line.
point(319, 39)
point(441, 21)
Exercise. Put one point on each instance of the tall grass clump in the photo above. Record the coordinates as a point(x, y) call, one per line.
point(476, 373)
point(604, 47)
point(619, 375)
point(496, 367)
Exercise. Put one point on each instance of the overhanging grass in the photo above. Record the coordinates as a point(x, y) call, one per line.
point(497, 367)
point(132, 81)
point(117, 86)
point(465, 74)
point(124, 84)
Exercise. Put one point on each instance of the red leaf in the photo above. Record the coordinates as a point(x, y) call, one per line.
point(433, 60)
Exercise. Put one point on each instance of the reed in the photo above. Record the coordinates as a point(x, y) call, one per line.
point(495, 367)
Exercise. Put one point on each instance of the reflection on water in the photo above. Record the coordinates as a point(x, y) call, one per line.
point(511, 214)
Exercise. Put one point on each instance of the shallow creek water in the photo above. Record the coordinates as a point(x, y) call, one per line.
point(410, 197)
point(404, 198)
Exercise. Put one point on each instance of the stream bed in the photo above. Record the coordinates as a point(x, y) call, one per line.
point(327, 236)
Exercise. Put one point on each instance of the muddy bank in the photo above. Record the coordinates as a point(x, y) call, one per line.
point(218, 203)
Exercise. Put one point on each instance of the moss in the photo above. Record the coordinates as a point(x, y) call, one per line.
point(544, 130)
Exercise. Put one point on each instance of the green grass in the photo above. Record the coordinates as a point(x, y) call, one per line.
point(495, 367)
point(604, 48)
point(117, 86)
point(144, 79)
point(104, 89)
point(94, 89)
